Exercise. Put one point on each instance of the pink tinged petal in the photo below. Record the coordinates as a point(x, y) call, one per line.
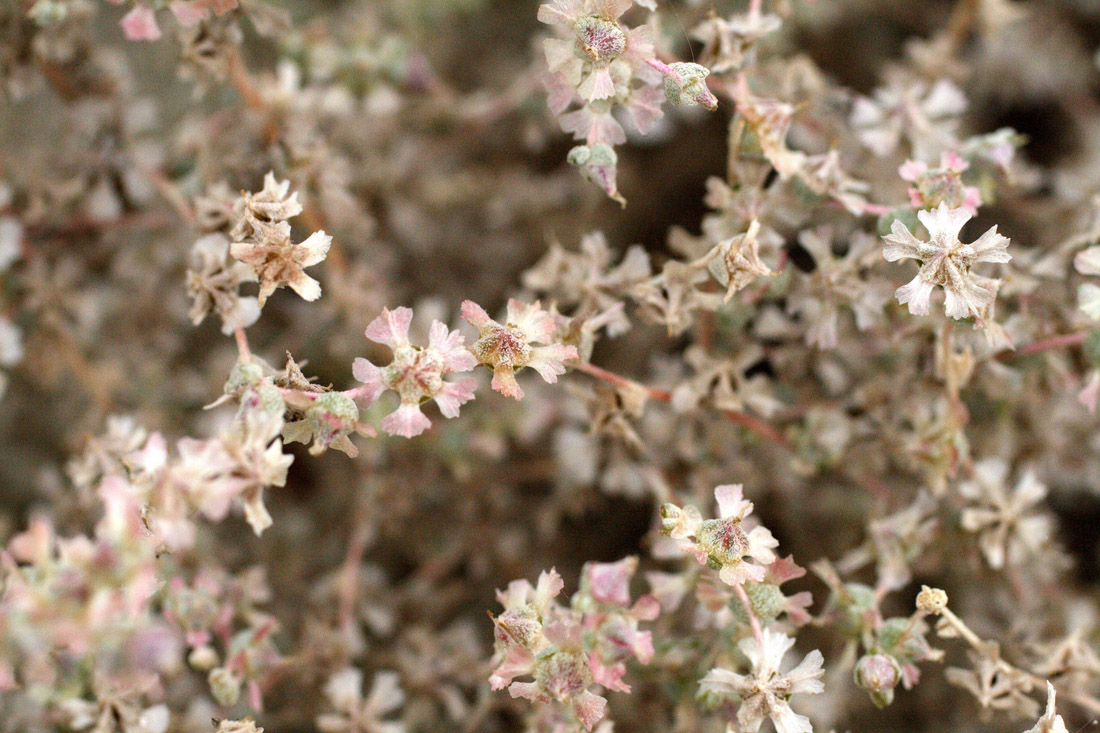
point(643, 646)
point(610, 582)
point(597, 85)
point(371, 376)
point(558, 52)
point(528, 690)
point(561, 12)
point(900, 243)
point(450, 344)
point(911, 170)
point(644, 108)
point(475, 315)
point(305, 286)
point(1087, 261)
point(972, 199)
point(548, 361)
point(991, 247)
point(559, 93)
point(314, 249)
point(188, 13)
point(610, 677)
point(504, 381)
point(589, 708)
point(944, 221)
point(1091, 393)
point(612, 8)
point(646, 608)
point(731, 501)
point(916, 293)
point(140, 24)
point(639, 44)
point(455, 394)
point(391, 328)
point(407, 421)
point(535, 323)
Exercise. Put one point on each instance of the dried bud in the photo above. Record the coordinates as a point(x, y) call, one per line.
point(931, 600)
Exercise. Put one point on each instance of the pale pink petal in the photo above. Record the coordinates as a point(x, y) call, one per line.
point(475, 315)
point(504, 381)
point(451, 344)
point(535, 323)
point(140, 24)
point(455, 394)
point(407, 421)
point(371, 376)
point(610, 582)
point(189, 14)
point(911, 170)
point(589, 708)
point(731, 501)
point(597, 85)
point(548, 361)
point(391, 328)
point(1091, 393)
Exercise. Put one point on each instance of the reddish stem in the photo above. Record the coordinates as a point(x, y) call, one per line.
point(752, 423)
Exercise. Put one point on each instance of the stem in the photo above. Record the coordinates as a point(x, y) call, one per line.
point(1054, 342)
point(664, 69)
point(242, 345)
point(1084, 700)
point(752, 423)
point(757, 633)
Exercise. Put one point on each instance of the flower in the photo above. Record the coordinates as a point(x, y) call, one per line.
point(416, 372)
point(946, 261)
point(765, 692)
point(277, 261)
point(212, 283)
point(510, 346)
point(1006, 530)
point(140, 24)
point(354, 714)
point(722, 542)
point(274, 203)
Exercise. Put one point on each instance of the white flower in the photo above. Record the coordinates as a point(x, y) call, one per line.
point(1005, 533)
point(765, 691)
point(946, 261)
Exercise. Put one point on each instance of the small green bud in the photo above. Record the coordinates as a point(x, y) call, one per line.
point(879, 674)
point(687, 86)
point(225, 686)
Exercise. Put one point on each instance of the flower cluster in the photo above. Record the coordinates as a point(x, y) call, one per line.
point(569, 651)
point(722, 543)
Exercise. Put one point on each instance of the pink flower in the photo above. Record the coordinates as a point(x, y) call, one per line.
point(506, 347)
point(416, 372)
point(140, 24)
